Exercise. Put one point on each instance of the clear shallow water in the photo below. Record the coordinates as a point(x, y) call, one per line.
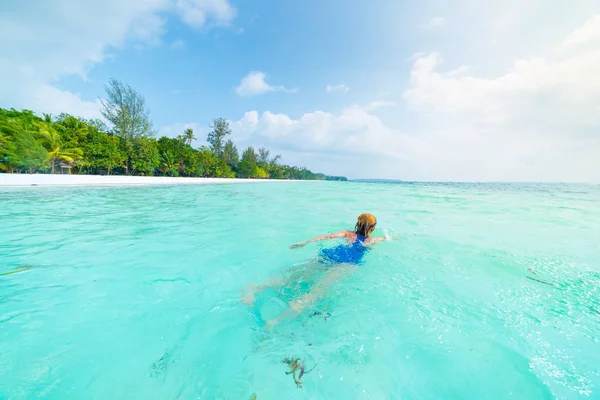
point(134, 293)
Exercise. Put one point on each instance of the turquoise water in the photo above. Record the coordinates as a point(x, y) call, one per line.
point(134, 292)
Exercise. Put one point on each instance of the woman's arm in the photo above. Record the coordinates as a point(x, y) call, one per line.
point(341, 234)
point(377, 239)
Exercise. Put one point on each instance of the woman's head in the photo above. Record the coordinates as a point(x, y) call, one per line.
point(365, 224)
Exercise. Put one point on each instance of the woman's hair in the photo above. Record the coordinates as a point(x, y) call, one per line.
point(365, 223)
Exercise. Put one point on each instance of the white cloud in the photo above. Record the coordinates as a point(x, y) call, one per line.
point(42, 44)
point(55, 101)
point(589, 32)
point(255, 83)
point(337, 88)
point(568, 87)
point(353, 131)
point(537, 121)
point(433, 23)
point(177, 45)
point(196, 12)
point(148, 29)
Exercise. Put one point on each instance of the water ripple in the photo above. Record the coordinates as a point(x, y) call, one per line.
point(134, 292)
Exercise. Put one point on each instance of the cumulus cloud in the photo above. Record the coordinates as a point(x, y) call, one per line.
point(337, 88)
point(353, 131)
point(45, 43)
point(255, 83)
point(537, 121)
point(589, 32)
point(532, 88)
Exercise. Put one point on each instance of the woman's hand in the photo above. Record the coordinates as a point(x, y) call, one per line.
point(295, 246)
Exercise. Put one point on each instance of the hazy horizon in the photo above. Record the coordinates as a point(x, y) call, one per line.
point(471, 182)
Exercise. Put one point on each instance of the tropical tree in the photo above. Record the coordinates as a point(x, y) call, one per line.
point(205, 160)
point(261, 173)
point(216, 137)
point(102, 152)
point(220, 169)
point(73, 131)
point(265, 162)
point(6, 151)
point(30, 155)
point(8, 155)
point(19, 149)
point(52, 142)
point(3, 140)
point(247, 167)
point(33, 144)
point(171, 151)
point(263, 156)
point(250, 156)
point(169, 163)
point(276, 171)
point(275, 159)
point(231, 155)
point(145, 158)
point(125, 108)
point(189, 136)
point(98, 124)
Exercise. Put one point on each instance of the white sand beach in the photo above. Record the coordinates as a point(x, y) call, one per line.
point(117, 180)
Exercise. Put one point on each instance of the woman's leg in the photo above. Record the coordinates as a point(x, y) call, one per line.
point(301, 272)
point(332, 275)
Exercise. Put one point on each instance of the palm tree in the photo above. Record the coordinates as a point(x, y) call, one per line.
point(189, 136)
point(168, 163)
point(51, 140)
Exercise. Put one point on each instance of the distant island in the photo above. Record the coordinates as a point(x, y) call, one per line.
point(68, 144)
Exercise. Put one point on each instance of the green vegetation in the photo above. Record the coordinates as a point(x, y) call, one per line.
point(31, 144)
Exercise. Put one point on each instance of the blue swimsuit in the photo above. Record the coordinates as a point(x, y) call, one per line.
point(351, 254)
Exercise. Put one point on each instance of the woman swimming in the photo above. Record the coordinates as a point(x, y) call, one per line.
point(357, 246)
point(337, 260)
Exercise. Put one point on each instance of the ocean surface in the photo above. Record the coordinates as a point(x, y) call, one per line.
point(491, 292)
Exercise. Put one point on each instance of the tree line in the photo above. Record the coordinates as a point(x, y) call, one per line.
point(127, 146)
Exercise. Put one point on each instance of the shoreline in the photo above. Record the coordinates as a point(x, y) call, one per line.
point(24, 180)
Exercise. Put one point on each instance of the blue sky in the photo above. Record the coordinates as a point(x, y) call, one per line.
point(494, 90)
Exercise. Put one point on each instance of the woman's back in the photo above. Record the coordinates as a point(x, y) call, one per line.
point(345, 253)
